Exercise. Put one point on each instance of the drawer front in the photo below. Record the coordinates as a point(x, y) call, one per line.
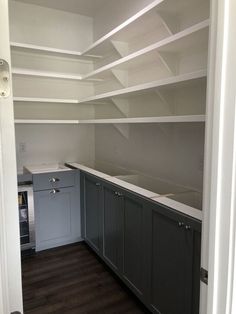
point(52, 180)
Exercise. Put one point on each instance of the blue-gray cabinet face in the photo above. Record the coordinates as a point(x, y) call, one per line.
point(112, 227)
point(124, 232)
point(92, 210)
point(175, 262)
point(152, 248)
point(57, 213)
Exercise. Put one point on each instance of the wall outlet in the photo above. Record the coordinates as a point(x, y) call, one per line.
point(22, 147)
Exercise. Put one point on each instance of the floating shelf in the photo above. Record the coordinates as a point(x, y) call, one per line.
point(34, 121)
point(45, 100)
point(122, 26)
point(164, 119)
point(19, 71)
point(161, 10)
point(178, 38)
point(148, 86)
point(43, 49)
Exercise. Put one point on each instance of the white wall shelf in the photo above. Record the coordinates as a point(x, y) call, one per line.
point(43, 49)
point(34, 121)
point(160, 9)
point(65, 76)
point(183, 38)
point(45, 100)
point(165, 119)
point(148, 86)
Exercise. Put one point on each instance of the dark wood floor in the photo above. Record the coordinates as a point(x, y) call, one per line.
point(72, 280)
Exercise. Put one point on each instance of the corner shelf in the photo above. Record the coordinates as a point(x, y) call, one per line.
point(148, 86)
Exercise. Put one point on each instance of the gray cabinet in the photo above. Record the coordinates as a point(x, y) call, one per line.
point(113, 227)
point(124, 237)
point(135, 250)
point(91, 189)
point(152, 248)
point(57, 215)
point(174, 241)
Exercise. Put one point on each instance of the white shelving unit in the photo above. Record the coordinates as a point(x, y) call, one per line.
point(163, 46)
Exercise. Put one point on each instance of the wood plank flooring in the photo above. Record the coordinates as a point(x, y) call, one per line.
point(71, 279)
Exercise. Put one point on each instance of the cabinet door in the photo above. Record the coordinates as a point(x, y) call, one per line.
point(92, 211)
point(175, 252)
point(55, 217)
point(113, 227)
point(135, 268)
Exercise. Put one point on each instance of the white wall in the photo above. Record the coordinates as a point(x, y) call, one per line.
point(114, 13)
point(170, 152)
point(37, 25)
point(53, 143)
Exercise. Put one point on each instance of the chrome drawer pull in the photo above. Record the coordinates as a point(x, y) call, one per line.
point(98, 184)
point(54, 191)
point(53, 180)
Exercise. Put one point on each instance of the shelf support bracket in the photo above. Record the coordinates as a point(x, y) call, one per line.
point(122, 105)
point(170, 22)
point(170, 61)
point(167, 100)
point(121, 77)
point(123, 129)
point(121, 47)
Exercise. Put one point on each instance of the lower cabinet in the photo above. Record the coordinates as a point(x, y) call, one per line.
point(91, 189)
point(112, 227)
point(152, 248)
point(57, 217)
point(175, 242)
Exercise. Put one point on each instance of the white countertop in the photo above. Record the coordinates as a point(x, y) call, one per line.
point(162, 199)
point(44, 168)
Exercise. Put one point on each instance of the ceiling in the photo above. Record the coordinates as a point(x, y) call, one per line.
point(83, 7)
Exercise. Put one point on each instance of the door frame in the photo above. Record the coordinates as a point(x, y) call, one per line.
point(10, 262)
point(219, 227)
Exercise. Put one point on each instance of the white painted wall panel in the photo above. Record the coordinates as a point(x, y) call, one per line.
point(114, 13)
point(53, 143)
point(48, 27)
point(170, 152)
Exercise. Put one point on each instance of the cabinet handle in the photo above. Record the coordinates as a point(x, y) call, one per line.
point(188, 227)
point(181, 224)
point(116, 193)
point(53, 180)
point(98, 184)
point(54, 191)
point(119, 194)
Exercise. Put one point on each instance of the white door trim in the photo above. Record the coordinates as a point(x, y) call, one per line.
point(10, 269)
point(222, 159)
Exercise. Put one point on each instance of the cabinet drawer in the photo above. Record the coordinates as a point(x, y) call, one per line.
point(60, 179)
